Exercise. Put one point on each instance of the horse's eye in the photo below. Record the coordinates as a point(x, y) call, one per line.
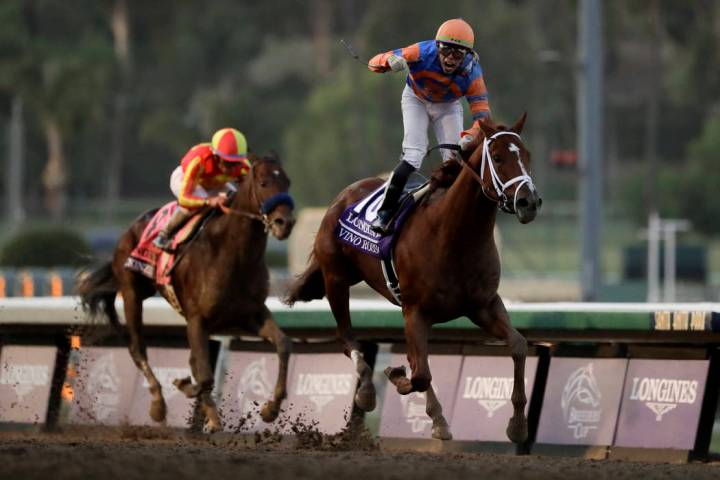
point(496, 158)
point(263, 184)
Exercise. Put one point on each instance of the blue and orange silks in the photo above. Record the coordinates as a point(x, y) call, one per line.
point(201, 168)
point(429, 82)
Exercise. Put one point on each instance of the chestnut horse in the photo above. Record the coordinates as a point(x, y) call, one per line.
point(221, 283)
point(447, 264)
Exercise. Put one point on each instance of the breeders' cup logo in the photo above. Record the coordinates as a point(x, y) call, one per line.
point(254, 384)
point(662, 395)
point(321, 388)
point(581, 401)
point(166, 376)
point(24, 378)
point(413, 407)
point(492, 393)
point(103, 387)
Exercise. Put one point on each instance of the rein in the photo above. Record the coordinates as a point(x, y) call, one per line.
point(263, 218)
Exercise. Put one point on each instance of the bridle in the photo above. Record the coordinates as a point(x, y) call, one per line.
point(522, 180)
point(500, 197)
point(264, 207)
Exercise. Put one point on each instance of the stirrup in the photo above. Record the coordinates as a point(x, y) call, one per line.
point(163, 243)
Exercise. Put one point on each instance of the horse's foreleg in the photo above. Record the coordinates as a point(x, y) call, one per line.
point(338, 295)
point(272, 333)
point(417, 331)
point(133, 318)
point(199, 341)
point(496, 322)
point(440, 428)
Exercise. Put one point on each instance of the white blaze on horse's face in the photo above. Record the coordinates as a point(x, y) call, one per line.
point(500, 186)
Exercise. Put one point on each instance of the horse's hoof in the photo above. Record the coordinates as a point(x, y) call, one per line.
point(404, 386)
point(393, 374)
point(517, 430)
point(441, 432)
point(158, 410)
point(269, 412)
point(365, 397)
point(186, 386)
point(211, 427)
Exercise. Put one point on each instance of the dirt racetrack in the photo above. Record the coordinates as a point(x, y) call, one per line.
point(151, 454)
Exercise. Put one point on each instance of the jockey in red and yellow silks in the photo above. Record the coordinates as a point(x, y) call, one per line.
point(441, 72)
point(202, 168)
point(204, 176)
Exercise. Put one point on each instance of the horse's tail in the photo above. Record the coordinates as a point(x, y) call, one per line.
point(98, 289)
point(309, 285)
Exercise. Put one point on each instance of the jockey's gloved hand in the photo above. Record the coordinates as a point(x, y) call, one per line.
point(465, 141)
point(396, 63)
point(214, 202)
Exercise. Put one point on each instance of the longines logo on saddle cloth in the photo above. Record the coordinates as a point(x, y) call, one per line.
point(353, 227)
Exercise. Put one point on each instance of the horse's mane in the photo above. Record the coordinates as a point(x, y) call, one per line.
point(444, 175)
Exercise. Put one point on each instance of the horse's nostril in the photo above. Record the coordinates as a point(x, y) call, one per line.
point(523, 203)
point(539, 203)
point(279, 222)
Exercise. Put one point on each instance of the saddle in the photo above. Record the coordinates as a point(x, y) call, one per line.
point(353, 227)
point(157, 264)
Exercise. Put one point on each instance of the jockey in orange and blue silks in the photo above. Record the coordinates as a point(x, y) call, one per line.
point(441, 72)
point(204, 177)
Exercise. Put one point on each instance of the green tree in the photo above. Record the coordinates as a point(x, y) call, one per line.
point(57, 58)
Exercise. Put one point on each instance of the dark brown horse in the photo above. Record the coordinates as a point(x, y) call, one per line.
point(447, 262)
point(221, 283)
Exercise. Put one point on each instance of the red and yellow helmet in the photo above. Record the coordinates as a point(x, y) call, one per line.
point(230, 145)
point(456, 31)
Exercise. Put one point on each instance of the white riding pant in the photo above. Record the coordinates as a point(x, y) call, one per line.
point(446, 119)
point(176, 183)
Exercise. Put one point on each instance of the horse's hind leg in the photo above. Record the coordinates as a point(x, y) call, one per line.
point(199, 341)
point(496, 322)
point(337, 291)
point(132, 304)
point(272, 333)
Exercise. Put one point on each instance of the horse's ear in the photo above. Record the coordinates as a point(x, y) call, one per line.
point(517, 128)
point(487, 129)
point(272, 156)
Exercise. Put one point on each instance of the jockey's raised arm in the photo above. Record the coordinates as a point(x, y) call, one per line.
point(440, 73)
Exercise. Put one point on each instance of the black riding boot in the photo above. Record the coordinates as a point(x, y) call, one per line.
point(178, 219)
point(394, 189)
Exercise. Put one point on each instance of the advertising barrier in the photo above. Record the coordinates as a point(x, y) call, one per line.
point(321, 387)
point(249, 382)
point(403, 416)
point(167, 364)
point(661, 403)
point(582, 400)
point(104, 385)
point(26, 374)
point(482, 403)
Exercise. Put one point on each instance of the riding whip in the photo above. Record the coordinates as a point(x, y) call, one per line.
point(354, 54)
